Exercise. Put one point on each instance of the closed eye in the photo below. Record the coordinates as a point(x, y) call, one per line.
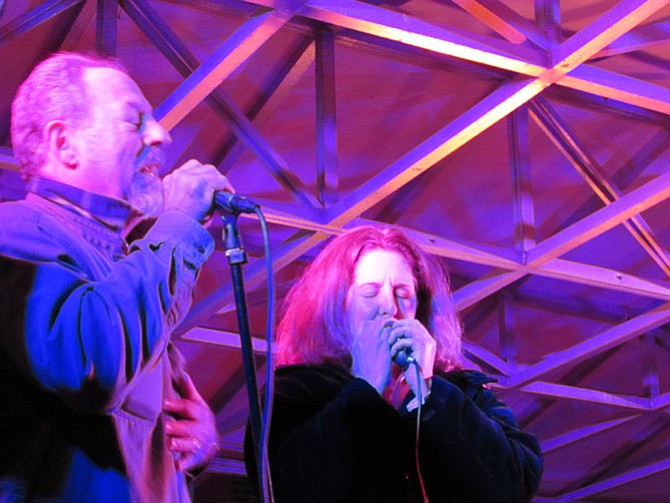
point(139, 122)
point(370, 290)
point(404, 292)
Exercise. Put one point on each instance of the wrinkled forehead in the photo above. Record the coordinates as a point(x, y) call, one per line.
point(375, 265)
point(109, 84)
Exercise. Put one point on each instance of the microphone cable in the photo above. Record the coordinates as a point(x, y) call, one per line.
point(419, 396)
point(263, 461)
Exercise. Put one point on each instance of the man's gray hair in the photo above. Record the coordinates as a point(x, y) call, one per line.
point(54, 90)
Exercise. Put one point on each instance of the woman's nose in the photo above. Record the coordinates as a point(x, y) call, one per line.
point(387, 304)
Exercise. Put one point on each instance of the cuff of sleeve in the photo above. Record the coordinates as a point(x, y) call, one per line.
point(176, 226)
point(414, 402)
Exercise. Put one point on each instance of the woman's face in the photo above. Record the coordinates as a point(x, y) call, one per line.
point(383, 287)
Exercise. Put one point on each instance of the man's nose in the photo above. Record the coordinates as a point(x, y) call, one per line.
point(155, 134)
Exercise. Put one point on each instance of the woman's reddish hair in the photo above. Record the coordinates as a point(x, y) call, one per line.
point(313, 328)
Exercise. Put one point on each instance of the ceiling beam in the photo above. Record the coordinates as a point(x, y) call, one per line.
point(497, 105)
point(228, 57)
point(523, 208)
point(489, 18)
point(176, 52)
point(616, 481)
point(611, 337)
point(326, 130)
point(273, 95)
point(650, 36)
point(561, 391)
point(629, 205)
point(35, 17)
point(106, 28)
point(393, 26)
point(579, 434)
point(589, 168)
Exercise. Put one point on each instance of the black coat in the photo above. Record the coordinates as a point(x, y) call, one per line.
point(334, 439)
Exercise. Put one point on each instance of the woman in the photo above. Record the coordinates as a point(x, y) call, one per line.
point(344, 424)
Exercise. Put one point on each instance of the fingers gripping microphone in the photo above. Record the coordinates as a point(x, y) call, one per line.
point(404, 358)
point(233, 203)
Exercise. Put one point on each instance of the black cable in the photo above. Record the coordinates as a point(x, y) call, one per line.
point(419, 397)
point(263, 461)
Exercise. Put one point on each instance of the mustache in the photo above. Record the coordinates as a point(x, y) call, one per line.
point(151, 156)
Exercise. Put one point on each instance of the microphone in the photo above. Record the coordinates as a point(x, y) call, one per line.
point(233, 203)
point(404, 358)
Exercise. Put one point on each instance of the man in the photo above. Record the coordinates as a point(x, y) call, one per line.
point(95, 405)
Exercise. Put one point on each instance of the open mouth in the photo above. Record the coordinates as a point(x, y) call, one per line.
point(149, 169)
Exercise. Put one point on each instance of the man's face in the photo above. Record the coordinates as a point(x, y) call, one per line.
point(119, 149)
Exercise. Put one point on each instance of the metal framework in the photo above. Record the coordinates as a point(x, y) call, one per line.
point(529, 57)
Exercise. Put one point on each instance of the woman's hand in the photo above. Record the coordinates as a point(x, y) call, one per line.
point(412, 336)
point(371, 353)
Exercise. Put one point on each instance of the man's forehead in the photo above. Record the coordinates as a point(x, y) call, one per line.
point(112, 84)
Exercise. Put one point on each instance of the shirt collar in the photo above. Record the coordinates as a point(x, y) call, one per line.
point(113, 213)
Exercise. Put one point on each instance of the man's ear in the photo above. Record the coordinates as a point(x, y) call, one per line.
point(57, 136)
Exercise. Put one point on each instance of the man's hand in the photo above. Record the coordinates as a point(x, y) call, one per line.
point(191, 428)
point(190, 189)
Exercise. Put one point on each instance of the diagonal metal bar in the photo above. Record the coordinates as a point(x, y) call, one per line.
point(633, 203)
point(589, 168)
point(583, 433)
point(255, 276)
point(35, 17)
point(562, 391)
point(494, 107)
point(498, 104)
point(224, 61)
point(609, 338)
point(479, 353)
point(601, 277)
point(614, 86)
point(464, 297)
point(79, 26)
point(495, 22)
point(186, 64)
point(394, 26)
point(661, 401)
point(477, 119)
point(614, 23)
point(273, 94)
point(619, 480)
point(641, 38)
point(487, 285)
point(529, 29)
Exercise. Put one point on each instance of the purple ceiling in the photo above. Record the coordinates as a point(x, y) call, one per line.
point(525, 143)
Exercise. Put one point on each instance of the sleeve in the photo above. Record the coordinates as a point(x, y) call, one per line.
point(317, 448)
point(86, 339)
point(471, 446)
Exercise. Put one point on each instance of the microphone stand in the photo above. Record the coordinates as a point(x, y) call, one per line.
point(236, 258)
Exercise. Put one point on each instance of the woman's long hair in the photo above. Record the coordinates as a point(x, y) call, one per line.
point(313, 328)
